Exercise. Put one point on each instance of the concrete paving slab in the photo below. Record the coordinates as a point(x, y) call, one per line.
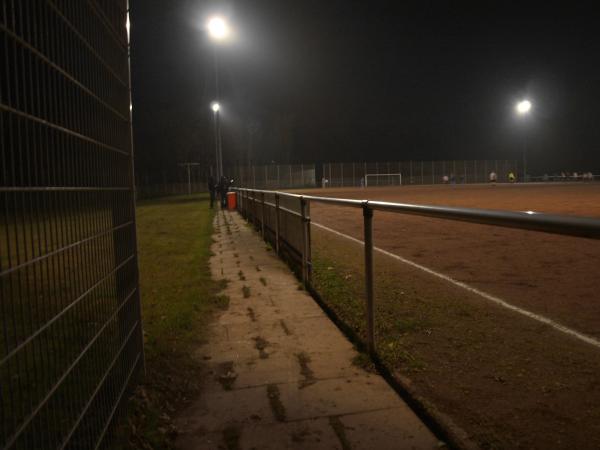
point(383, 430)
point(278, 374)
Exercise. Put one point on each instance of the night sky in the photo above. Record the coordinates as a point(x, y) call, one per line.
point(311, 81)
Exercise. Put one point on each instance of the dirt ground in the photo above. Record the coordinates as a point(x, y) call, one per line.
point(507, 380)
point(555, 276)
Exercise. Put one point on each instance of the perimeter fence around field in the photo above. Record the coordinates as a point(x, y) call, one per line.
point(187, 178)
point(284, 221)
point(351, 174)
point(71, 340)
point(192, 178)
point(273, 176)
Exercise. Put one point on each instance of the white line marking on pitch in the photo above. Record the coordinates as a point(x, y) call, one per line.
point(492, 298)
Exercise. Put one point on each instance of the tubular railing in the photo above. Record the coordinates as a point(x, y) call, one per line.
point(252, 205)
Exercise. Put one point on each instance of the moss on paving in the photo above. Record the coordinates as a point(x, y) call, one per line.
point(231, 437)
point(246, 291)
point(305, 370)
point(340, 431)
point(275, 402)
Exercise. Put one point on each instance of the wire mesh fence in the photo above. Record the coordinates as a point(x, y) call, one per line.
point(71, 340)
point(415, 172)
point(273, 176)
point(187, 178)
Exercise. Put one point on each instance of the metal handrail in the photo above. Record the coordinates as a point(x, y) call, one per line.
point(526, 220)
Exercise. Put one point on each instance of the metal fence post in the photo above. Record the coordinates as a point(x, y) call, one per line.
point(304, 242)
point(277, 223)
point(368, 238)
point(262, 214)
point(254, 210)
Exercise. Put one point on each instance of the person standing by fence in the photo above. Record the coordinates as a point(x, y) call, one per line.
point(222, 188)
point(211, 190)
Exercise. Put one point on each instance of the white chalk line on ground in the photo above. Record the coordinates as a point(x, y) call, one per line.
point(492, 298)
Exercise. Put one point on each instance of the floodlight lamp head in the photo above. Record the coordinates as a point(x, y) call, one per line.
point(215, 106)
point(523, 107)
point(218, 28)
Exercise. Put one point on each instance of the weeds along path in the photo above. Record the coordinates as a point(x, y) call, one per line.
point(507, 380)
point(179, 298)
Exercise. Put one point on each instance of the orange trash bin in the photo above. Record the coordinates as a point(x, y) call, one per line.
point(231, 200)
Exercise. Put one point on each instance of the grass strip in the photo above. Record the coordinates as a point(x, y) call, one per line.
point(178, 299)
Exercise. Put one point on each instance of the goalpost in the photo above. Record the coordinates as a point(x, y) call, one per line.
point(383, 179)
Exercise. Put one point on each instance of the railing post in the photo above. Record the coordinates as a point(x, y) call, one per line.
point(244, 205)
point(254, 210)
point(277, 223)
point(262, 215)
point(304, 241)
point(368, 238)
point(308, 246)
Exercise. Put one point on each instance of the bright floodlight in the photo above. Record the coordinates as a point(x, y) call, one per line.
point(215, 106)
point(523, 106)
point(218, 28)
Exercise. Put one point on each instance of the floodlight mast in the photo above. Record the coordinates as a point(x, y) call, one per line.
point(523, 108)
point(216, 107)
point(218, 31)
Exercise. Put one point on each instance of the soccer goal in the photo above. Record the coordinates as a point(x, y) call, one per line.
point(383, 179)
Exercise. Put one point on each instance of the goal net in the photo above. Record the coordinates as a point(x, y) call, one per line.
point(383, 179)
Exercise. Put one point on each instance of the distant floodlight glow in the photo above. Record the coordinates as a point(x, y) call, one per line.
point(523, 106)
point(215, 107)
point(218, 28)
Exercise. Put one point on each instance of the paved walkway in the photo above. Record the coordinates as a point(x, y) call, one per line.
point(280, 372)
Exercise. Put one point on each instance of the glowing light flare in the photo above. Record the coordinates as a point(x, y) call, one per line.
point(215, 106)
point(523, 107)
point(218, 28)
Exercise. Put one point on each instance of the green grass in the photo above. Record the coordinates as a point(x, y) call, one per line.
point(400, 316)
point(178, 299)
